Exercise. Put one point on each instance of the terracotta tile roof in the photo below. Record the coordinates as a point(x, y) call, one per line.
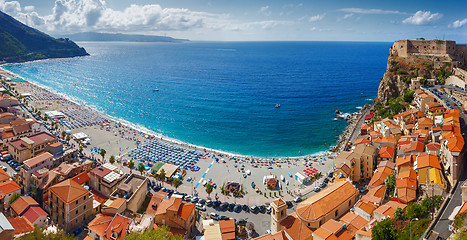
point(428, 160)
point(33, 213)
point(39, 159)
point(405, 160)
point(406, 183)
point(375, 134)
point(388, 139)
point(119, 225)
point(322, 203)
point(415, 146)
point(18, 129)
point(388, 164)
point(344, 168)
point(42, 137)
point(100, 171)
point(4, 176)
point(366, 207)
point(21, 225)
point(389, 208)
point(379, 176)
point(455, 142)
point(364, 232)
point(116, 203)
point(68, 190)
point(353, 222)
point(99, 224)
point(331, 229)
point(378, 191)
point(81, 178)
point(362, 140)
point(9, 187)
point(185, 210)
point(279, 202)
point(227, 229)
point(277, 236)
point(155, 201)
point(433, 146)
point(386, 152)
point(88, 238)
point(406, 194)
point(22, 203)
point(411, 174)
point(296, 228)
point(425, 121)
point(98, 196)
point(7, 134)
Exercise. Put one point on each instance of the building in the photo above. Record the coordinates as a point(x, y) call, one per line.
point(133, 189)
point(29, 147)
point(270, 181)
point(43, 160)
point(4, 176)
point(21, 225)
point(386, 154)
point(361, 161)
point(173, 213)
point(331, 203)
point(379, 177)
point(114, 206)
point(6, 229)
point(332, 229)
point(387, 210)
point(21, 204)
point(107, 227)
point(70, 204)
point(8, 189)
point(105, 180)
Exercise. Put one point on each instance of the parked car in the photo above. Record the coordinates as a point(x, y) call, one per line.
point(209, 203)
point(297, 199)
point(214, 185)
point(216, 204)
point(289, 204)
point(202, 201)
point(254, 208)
point(195, 200)
point(262, 208)
point(200, 207)
point(269, 209)
point(238, 208)
point(316, 189)
point(245, 208)
point(223, 218)
point(214, 216)
point(231, 207)
point(223, 206)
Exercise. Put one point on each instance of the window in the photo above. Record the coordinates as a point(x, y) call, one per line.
point(76, 202)
point(350, 203)
point(84, 198)
point(282, 213)
point(84, 207)
point(335, 214)
point(76, 211)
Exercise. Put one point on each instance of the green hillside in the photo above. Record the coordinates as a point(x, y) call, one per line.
point(19, 43)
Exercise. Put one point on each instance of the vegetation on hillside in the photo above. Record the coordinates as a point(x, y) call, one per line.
point(393, 106)
point(161, 233)
point(19, 43)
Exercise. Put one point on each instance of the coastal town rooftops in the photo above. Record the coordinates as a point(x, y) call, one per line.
point(227, 228)
point(117, 228)
point(4, 176)
point(109, 166)
point(404, 160)
point(36, 139)
point(296, 228)
point(99, 224)
point(366, 207)
point(415, 147)
point(100, 171)
point(344, 168)
point(22, 203)
point(112, 176)
point(406, 183)
point(331, 230)
point(388, 164)
point(378, 191)
point(320, 204)
point(362, 140)
point(407, 174)
point(21, 225)
point(427, 160)
point(389, 208)
point(433, 146)
point(4, 223)
point(68, 190)
point(33, 213)
point(353, 222)
point(386, 152)
point(9, 187)
point(435, 176)
point(455, 142)
point(276, 236)
point(406, 194)
point(38, 160)
point(81, 178)
point(379, 176)
point(388, 139)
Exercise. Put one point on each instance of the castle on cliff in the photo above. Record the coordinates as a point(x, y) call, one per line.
point(439, 51)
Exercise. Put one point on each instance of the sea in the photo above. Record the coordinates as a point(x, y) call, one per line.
point(223, 95)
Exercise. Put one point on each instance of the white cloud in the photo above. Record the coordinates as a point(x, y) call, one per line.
point(369, 11)
point(29, 8)
point(10, 8)
point(423, 18)
point(458, 23)
point(348, 15)
point(317, 18)
point(264, 10)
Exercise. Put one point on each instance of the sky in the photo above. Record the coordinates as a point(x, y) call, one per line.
point(250, 20)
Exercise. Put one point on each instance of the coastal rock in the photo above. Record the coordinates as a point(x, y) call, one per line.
point(337, 112)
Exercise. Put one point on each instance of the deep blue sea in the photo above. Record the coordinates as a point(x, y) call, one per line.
point(222, 95)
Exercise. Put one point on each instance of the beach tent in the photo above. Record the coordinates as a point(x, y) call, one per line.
point(80, 135)
point(302, 179)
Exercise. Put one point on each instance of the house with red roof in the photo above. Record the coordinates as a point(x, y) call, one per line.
point(109, 227)
point(36, 215)
point(7, 190)
point(386, 154)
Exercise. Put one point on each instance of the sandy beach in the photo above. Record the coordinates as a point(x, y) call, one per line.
point(117, 138)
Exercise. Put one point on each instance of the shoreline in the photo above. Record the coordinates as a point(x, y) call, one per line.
point(336, 148)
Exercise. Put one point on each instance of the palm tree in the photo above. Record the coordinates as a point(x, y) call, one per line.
point(141, 168)
point(112, 159)
point(103, 152)
point(209, 189)
point(177, 182)
point(131, 164)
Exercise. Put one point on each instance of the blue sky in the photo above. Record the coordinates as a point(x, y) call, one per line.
point(250, 20)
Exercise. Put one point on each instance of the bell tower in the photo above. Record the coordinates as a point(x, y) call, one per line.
point(278, 213)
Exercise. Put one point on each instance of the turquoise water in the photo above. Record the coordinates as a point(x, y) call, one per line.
point(222, 95)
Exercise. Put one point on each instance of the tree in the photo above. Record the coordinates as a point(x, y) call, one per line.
point(432, 203)
point(177, 182)
point(390, 183)
point(63, 134)
point(460, 221)
point(141, 168)
point(131, 164)
point(399, 214)
point(45, 117)
point(209, 189)
point(103, 152)
point(112, 159)
point(68, 138)
point(13, 198)
point(415, 210)
point(81, 148)
point(408, 96)
point(384, 230)
point(162, 175)
point(161, 233)
point(39, 234)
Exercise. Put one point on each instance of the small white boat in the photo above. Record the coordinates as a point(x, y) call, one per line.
point(155, 90)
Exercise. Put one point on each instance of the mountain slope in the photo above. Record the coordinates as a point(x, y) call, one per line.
point(94, 36)
point(19, 43)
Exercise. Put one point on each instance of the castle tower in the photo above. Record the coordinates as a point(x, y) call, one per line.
point(278, 213)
